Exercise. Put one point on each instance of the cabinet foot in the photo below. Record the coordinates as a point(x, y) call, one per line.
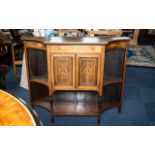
point(98, 120)
point(119, 109)
point(52, 120)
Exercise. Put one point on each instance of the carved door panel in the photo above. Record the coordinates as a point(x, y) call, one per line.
point(62, 71)
point(88, 71)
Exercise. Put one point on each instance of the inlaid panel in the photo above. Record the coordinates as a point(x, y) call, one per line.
point(36, 45)
point(88, 67)
point(75, 49)
point(63, 70)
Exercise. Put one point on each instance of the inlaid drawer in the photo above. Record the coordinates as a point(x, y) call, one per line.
point(75, 49)
point(36, 45)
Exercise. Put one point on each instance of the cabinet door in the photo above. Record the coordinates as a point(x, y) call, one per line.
point(88, 71)
point(62, 71)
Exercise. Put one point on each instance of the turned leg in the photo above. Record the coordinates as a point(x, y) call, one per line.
point(52, 116)
point(99, 110)
point(98, 120)
point(120, 106)
point(52, 119)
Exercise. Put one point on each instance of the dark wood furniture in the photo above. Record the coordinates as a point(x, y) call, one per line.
point(76, 76)
point(15, 113)
point(134, 40)
point(3, 72)
point(5, 53)
point(17, 50)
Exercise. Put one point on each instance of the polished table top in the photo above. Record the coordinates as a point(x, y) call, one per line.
point(13, 112)
point(77, 40)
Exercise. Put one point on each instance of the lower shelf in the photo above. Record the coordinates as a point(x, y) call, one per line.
point(75, 109)
point(70, 109)
point(83, 105)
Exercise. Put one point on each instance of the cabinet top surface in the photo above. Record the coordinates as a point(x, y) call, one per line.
point(76, 40)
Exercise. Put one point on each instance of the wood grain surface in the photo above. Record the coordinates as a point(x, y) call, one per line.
point(13, 112)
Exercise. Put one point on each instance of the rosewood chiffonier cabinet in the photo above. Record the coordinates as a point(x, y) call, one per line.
point(76, 76)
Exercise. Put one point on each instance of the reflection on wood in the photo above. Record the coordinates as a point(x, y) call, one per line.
point(13, 112)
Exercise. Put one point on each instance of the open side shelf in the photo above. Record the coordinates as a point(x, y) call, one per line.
point(43, 103)
point(37, 65)
point(114, 65)
point(107, 105)
point(112, 81)
point(111, 96)
point(38, 91)
point(75, 103)
point(40, 79)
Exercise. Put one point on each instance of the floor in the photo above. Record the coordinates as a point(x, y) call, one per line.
point(138, 102)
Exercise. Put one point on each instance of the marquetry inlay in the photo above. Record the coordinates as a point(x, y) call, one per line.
point(88, 71)
point(63, 70)
point(75, 49)
point(36, 45)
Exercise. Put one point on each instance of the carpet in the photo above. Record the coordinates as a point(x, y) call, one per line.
point(143, 57)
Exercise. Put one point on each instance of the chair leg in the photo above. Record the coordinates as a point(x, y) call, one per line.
point(13, 59)
point(14, 69)
point(2, 83)
point(14, 63)
point(3, 72)
point(136, 48)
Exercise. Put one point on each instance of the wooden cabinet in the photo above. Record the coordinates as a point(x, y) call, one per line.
point(77, 69)
point(76, 76)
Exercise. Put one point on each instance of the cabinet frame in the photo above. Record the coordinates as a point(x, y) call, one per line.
point(76, 51)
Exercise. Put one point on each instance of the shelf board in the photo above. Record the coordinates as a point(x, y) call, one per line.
point(43, 104)
point(75, 109)
point(112, 81)
point(40, 79)
point(107, 105)
point(69, 109)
